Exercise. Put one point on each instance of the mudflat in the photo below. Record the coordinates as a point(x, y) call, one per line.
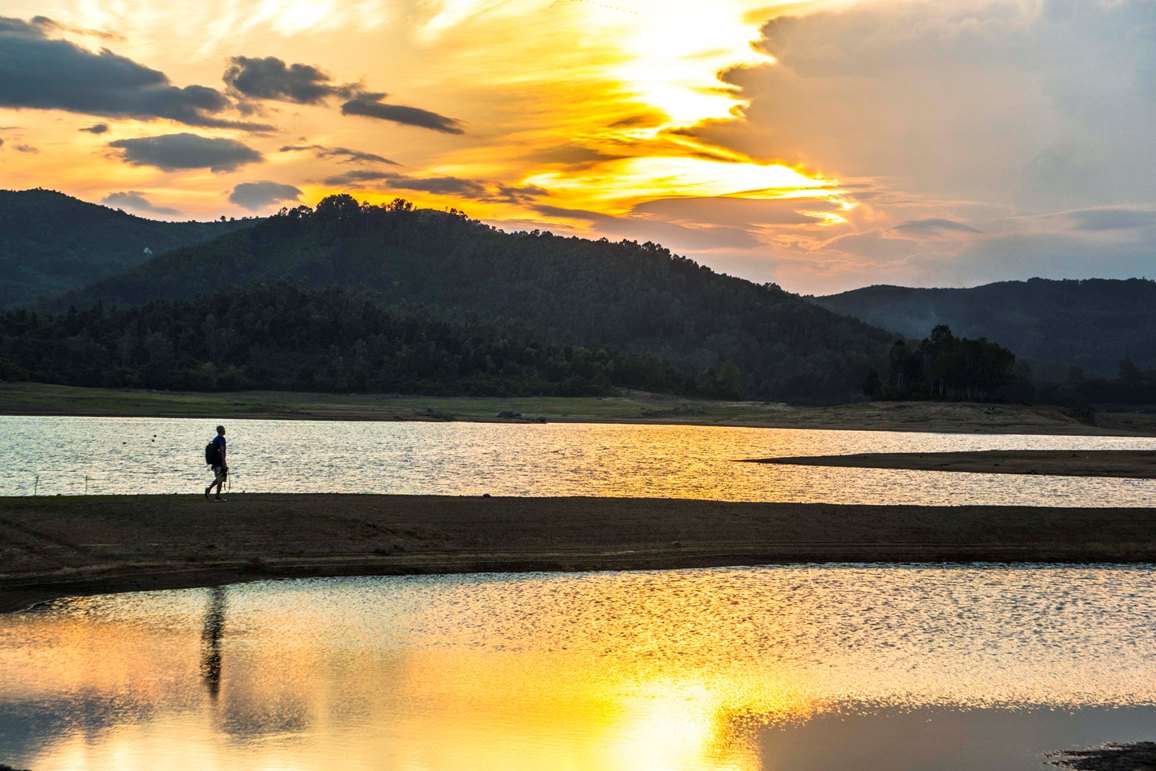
point(58, 546)
point(1132, 464)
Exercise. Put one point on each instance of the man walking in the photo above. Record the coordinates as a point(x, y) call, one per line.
point(215, 456)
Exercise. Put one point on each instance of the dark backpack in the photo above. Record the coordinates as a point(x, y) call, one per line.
point(213, 453)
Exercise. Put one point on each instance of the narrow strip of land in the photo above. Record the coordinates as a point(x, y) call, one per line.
point(1132, 464)
point(58, 546)
point(942, 417)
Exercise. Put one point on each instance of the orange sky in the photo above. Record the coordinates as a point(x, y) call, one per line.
point(823, 145)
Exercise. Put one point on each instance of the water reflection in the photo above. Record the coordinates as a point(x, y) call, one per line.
point(120, 455)
point(754, 668)
point(211, 641)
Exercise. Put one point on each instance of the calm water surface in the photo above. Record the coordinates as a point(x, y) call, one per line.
point(67, 455)
point(866, 667)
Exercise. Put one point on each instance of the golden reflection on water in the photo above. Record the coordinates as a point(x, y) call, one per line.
point(675, 670)
point(61, 455)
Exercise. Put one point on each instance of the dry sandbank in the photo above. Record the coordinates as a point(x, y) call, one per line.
point(1133, 464)
point(57, 546)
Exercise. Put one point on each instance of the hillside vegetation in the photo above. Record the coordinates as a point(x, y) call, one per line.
point(284, 338)
point(1090, 324)
point(723, 334)
point(51, 243)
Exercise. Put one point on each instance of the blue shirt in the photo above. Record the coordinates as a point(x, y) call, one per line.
point(220, 442)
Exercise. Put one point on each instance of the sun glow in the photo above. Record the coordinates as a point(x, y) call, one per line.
point(589, 106)
point(675, 52)
point(620, 184)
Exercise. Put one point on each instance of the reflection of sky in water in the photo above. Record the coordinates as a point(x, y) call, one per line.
point(147, 455)
point(704, 669)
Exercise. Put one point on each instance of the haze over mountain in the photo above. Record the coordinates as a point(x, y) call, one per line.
point(51, 243)
point(1092, 324)
point(629, 297)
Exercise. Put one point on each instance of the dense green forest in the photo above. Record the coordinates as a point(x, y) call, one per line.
point(944, 366)
point(1130, 386)
point(1091, 324)
point(282, 337)
point(51, 243)
point(637, 299)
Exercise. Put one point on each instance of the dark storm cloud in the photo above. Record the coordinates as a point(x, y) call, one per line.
point(186, 151)
point(933, 227)
point(271, 78)
point(42, 73)
point(99, 128)
point(255, 196)
point(369, 105)
point(344, 153)
point(136, 202)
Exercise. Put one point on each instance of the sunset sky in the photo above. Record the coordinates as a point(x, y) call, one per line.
point(820, 145)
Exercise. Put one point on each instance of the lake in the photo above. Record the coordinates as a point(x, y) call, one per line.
point(807, 667)
point(72, 455)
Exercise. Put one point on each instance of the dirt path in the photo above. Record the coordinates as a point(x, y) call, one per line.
point(51, 547)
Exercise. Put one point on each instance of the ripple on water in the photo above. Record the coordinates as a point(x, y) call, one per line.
point(703, 660)
point(137, 455)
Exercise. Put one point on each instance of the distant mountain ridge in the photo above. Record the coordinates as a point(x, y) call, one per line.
point(730, 334)
point(52, 243)
point(1091, 324)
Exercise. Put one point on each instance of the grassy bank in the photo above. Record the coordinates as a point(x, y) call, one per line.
point(39, 399)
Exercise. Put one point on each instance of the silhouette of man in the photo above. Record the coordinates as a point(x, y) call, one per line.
point(220, 464)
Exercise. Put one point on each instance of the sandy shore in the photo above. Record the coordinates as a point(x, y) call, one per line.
point(1131, 464)
point(57, 546)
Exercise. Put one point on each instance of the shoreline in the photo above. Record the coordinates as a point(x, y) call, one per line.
point(33, 399)
point(53, 547)
point(1123, 464)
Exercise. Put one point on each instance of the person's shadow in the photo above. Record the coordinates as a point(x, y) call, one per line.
point(211, 641)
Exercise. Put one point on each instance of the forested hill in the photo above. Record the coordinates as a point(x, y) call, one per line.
point(51, 243)
point(281, 337)
point(1091, 324)
point(634, 298)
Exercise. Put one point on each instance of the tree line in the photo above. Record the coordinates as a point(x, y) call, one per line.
point(282, 337)
point(943, 366)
